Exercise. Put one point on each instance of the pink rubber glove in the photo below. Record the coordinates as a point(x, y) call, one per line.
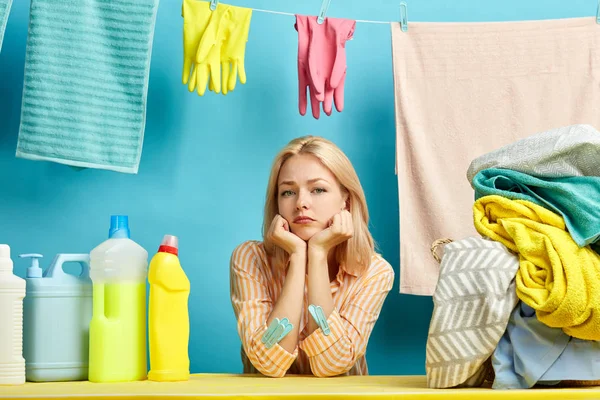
point(327, 59)
point(303, 72)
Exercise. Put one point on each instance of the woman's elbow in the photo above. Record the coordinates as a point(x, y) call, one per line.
point(270, 365)
point(268, 369)
point(322, 371)
point(336, 362)
point(277, 373)
point(325, 374)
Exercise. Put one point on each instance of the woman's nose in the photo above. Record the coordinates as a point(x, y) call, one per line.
point(302, 203)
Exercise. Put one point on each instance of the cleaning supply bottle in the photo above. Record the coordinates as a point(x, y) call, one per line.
point(118, 268)
point(168, 318)
point(56, 318)
point(12, 292)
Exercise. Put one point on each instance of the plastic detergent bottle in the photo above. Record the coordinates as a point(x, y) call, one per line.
point(168, 318)
point(12, 292)
point(118, 326)
point(56, 318)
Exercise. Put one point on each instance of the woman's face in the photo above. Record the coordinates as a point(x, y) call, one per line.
point(308, 195)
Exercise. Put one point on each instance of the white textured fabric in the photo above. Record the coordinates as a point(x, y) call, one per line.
point(473, 300)
point(568, 151)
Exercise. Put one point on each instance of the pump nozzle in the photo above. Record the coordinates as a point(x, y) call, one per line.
point(34, 271)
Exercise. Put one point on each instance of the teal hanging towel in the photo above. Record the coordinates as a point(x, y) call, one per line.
point(4, 11)
point(86, 82)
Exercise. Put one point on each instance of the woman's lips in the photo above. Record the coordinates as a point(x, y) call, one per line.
point(303, 220)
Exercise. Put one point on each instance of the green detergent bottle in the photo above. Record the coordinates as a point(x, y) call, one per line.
point(118, 269)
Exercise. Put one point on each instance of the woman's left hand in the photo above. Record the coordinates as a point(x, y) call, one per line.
point(340, 229)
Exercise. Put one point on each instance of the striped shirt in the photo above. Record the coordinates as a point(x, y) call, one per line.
point(255, 288)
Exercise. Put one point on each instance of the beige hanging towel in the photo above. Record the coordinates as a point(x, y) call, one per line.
point(465, 89)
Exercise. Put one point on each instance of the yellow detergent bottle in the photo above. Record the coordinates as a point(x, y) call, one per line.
point(118, 325)
point(168, 318)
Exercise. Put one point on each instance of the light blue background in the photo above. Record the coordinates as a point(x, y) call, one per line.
point(206, 160)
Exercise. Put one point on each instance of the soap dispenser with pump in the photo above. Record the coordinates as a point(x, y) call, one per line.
point(56, 316)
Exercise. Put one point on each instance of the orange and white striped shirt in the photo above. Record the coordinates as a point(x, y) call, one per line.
point(255, 288)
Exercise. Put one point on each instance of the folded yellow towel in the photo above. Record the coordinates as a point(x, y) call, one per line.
point(556, 277)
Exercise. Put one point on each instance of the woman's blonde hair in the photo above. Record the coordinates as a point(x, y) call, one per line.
point(354, 253)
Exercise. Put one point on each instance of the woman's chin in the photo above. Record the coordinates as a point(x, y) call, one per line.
point(306, 233)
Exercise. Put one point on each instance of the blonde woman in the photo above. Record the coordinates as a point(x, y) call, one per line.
point(316, 275)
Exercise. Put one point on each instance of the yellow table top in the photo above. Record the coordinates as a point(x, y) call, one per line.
point(223, 386)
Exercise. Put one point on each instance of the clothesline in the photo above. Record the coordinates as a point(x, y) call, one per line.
point(292, 15)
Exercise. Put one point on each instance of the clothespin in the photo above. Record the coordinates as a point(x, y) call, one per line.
point(324, 7)
point(276, 332)
point(213, 4)
point(404, 16)
point(598, 13)
point(319, 317)
point(288, 328)
point(269, 334)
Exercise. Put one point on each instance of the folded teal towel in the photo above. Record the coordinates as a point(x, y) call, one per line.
point(576, 198)
point(86, 82)
point(4, 11)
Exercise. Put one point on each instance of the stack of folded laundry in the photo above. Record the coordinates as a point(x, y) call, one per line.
point(520, 305)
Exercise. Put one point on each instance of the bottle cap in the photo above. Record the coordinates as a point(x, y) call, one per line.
point(6, 263)
point(119, 227)
point(169, 244)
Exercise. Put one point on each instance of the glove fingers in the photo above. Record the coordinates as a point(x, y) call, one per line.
point(302, 85)
point(314, 103)
point(241, 70)
point(192, 80)
point(338, 94)
point(215, 75)
point(210, 86)
point(225, 71)
point(202, 79)
point(187, 65)
point(328, 102)
point(303, 101)
point(232, 81)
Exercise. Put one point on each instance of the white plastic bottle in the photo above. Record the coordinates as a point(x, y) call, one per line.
point(118, 269)
point(12, 292)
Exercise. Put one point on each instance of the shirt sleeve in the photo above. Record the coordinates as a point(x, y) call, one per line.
point(350, 327)
point(252, 306)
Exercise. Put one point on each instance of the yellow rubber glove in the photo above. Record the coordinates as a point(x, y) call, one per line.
point(196, 16)
point(208, 56)
point(232, 55)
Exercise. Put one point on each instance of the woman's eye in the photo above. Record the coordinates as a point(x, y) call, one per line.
point(287, 193)
point(319, 190)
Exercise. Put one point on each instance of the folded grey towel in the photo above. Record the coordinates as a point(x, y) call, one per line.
point(568, 151)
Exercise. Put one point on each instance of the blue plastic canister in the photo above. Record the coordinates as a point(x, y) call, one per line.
point(56, 317)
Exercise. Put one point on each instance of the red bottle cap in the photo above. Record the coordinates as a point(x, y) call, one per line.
point(169, 244)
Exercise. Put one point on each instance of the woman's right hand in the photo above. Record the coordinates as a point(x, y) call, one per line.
point(279, 233)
